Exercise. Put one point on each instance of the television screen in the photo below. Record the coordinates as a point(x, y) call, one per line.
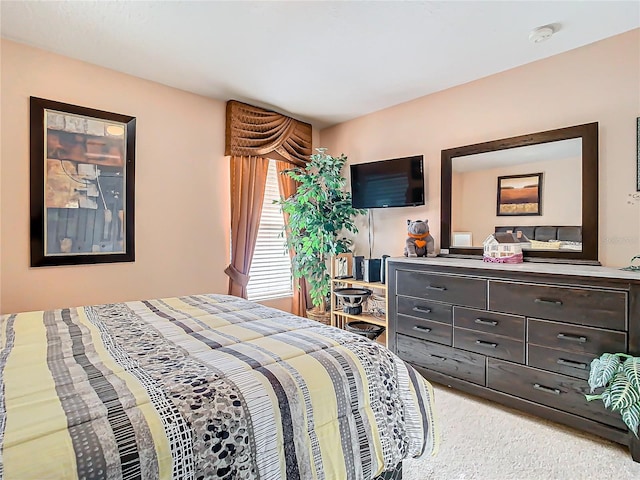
point(398, 182)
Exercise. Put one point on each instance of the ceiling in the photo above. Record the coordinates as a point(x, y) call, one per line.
point(570, 149)
point(325, 61)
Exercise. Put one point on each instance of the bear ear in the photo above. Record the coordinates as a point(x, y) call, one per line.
point(408, 222)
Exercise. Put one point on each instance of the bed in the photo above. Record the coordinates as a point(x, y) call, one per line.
point(545, 237)
point(203, 387)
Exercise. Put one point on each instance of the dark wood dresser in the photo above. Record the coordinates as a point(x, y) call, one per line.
point(522, 335)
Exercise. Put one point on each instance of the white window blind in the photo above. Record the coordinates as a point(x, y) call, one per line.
point(270, 274)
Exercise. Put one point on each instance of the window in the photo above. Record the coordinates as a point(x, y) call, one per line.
point(270, 274)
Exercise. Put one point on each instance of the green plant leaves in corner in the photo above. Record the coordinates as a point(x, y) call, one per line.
point(622, 386)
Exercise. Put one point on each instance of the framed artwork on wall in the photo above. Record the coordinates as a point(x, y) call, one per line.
point(520, 195)
point(82, 185)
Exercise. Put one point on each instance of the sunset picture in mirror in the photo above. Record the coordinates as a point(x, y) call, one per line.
point(519, 194)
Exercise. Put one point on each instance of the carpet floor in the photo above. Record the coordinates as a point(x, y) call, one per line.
point(481, 440)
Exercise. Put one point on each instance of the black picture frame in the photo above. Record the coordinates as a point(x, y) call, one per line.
point(519, 195)
point(638, 154)
point(82, 185)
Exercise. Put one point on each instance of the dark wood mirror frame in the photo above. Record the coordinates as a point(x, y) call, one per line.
point(589, 134)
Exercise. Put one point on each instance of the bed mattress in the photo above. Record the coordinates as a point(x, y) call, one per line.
point(202, 387)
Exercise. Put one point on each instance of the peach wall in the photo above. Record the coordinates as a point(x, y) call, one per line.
point(182, 186)
point(595, 83)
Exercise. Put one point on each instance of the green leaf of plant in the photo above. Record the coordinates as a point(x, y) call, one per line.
point(606, 398)
point(621, 394)
point(631, 416)
point(631, 368)
point(602, 370)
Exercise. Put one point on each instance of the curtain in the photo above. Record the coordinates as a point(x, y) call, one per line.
point(248, 181)
point(288, 187)
point(252, 135)
point(258, 132)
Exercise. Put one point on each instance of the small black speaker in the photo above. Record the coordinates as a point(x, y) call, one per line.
point(383, 269)
point(358, 267)
point(371, 271)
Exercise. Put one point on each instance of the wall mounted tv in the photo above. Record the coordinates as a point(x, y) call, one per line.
point(398, 182)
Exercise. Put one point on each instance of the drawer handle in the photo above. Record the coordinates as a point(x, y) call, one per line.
point(482, 321)
point(572, 338)
point(421, 309)
point(486, 344)
point(442, 359)
point(420, 328)
point(432, 287)
point(542, 388)
point(548, 302)
point(572, 364)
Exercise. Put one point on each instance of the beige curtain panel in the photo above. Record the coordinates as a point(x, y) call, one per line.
point(248, 181)
point(288, 187)
point(254, 131)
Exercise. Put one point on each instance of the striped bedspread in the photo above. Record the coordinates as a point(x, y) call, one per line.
point(202, 387)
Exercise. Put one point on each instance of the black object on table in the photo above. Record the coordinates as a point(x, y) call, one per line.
point(366, 329)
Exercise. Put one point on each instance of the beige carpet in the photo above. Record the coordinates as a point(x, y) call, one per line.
point(480, 440)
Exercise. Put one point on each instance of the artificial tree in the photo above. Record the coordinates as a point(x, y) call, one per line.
point(318, 213)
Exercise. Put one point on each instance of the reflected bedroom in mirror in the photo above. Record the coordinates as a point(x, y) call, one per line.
point(542, 187)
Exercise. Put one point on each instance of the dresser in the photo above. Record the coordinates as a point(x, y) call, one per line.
point(522, 335)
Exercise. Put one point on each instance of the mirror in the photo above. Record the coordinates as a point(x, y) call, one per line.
point(542, 187)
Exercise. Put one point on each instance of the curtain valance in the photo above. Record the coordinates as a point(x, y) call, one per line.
point(254, 131)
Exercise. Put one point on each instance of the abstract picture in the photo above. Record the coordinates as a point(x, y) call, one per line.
point(81, 185)
point(519, 194)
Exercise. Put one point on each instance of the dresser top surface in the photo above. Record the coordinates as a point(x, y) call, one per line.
point(525, 267)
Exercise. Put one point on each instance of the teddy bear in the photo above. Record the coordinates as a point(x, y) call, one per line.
point(419, 242)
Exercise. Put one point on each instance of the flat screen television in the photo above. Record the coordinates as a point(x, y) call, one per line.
point(398, 182)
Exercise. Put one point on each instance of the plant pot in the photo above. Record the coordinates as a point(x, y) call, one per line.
point(318, 315)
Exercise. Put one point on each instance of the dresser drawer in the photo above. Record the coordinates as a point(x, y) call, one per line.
point(511, 326)
point(427, 329)
point(551, 389)
point(415, 307)
point(598, 308)
point(574, 338)
point(470, 292)
point(489, 345)
point(559, 361)
point(449, 361)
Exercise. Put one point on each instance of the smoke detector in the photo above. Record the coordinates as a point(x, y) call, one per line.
point(541, 34)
